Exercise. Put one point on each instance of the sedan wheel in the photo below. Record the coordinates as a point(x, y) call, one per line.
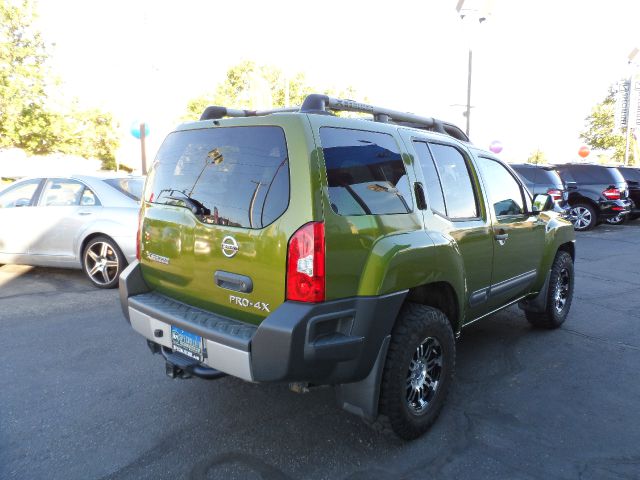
point(584, 217)
point(617, 220)
point(102, 262)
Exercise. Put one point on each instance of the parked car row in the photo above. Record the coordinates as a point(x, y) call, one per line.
point(72, 222)
point(589, 193)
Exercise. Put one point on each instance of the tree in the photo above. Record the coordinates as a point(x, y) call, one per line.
point(537, 157)
point(601, 134)
point(23, 116)
point(28, 118)
point(253, 86)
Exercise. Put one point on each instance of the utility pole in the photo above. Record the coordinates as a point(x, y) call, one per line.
point(478, 10)
point(632, 103)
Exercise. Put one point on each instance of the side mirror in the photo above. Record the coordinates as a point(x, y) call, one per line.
point(542, 203)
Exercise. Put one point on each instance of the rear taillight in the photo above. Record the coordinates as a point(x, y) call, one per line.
point(305, 264)
point(139, 235)
point(611, 194)
point(555, 194)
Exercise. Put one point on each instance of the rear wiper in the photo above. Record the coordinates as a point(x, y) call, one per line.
point(194, 205)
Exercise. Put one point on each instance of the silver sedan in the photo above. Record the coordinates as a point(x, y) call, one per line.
point(72, 222)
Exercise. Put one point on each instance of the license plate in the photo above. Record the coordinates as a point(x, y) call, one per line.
point(186, 343)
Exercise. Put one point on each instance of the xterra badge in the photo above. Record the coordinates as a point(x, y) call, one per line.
point(158, 258)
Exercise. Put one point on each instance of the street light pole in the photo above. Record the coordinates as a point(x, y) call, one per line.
point(632, 101)
point(468, 111)
point(474, 10)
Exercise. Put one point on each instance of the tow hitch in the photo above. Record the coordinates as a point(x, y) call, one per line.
point(181, 366)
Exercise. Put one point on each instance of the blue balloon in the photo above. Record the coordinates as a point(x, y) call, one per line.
point(135, 129)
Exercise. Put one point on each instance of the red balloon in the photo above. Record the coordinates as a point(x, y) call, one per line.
point(584, 151)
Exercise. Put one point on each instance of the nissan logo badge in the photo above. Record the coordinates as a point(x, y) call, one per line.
point(229, 246)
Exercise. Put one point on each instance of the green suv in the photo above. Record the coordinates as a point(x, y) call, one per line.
point(299, 246)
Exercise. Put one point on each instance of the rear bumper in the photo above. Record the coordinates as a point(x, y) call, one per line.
point(613, 208)
point(325, 343)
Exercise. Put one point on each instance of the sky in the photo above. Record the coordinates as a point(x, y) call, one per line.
point(539, 66)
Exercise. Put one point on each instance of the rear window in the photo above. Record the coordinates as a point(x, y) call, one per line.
point(526, 173)
point(131, 187)
point(590, 174)
point(365, 173)
point(237, 176)
point(550, 177)
point(630, 174)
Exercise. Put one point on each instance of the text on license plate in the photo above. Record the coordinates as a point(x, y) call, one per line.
point(186, 343)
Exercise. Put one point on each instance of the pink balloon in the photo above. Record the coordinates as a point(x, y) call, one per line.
point(496, 146)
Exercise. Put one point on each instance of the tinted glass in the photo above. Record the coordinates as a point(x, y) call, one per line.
point(550, 178)
point(236, 176)
point(630, 174)
point(20, 195)
point(456, 182)
point(592, 174)
point(62, 193)
point(503, 190)
point(432, 181)
point(528, 174)
point(131, 187)
point(565, 174)
point(365, 173)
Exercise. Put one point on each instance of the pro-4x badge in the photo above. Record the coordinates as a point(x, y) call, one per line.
point(229, 246)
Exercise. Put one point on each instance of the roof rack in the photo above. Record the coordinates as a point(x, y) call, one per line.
point(324, 104)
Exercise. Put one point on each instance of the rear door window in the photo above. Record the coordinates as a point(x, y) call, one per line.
point(456, 183)
point(365, 173)
point(236, 176)
point(431, 178)
point(62, 193)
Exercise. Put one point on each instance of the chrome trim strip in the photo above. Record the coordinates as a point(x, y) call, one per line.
point(494, 311)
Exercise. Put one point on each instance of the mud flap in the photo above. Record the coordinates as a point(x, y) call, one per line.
point(361, 398)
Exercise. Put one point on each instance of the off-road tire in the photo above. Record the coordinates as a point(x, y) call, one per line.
point(553, 316)
point(416, 323)
point(112, 254)
point(584, 209)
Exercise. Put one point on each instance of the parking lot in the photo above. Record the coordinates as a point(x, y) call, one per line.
point(82, 397)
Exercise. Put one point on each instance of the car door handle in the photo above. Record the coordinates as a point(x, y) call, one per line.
point(84, 213)
point(501, 238)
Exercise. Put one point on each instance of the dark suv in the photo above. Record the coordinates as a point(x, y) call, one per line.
point(596, 193)
point(632, 177)
point(301, 247)
point(544, 179)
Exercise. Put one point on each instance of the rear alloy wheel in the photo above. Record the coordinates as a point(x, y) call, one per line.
point(102, 262)
point(559, 295)
point(418, 371)
point(584, 217)
point(617, 220)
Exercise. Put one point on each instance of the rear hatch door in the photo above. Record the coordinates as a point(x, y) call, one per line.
point(214, 232)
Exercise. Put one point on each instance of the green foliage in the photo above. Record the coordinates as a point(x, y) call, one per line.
point(22, 78)
point(601, 134)
point(253, 86)
point(27, 119)
point(537, 157)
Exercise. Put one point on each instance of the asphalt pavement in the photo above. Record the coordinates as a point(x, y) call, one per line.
point(81, 397)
